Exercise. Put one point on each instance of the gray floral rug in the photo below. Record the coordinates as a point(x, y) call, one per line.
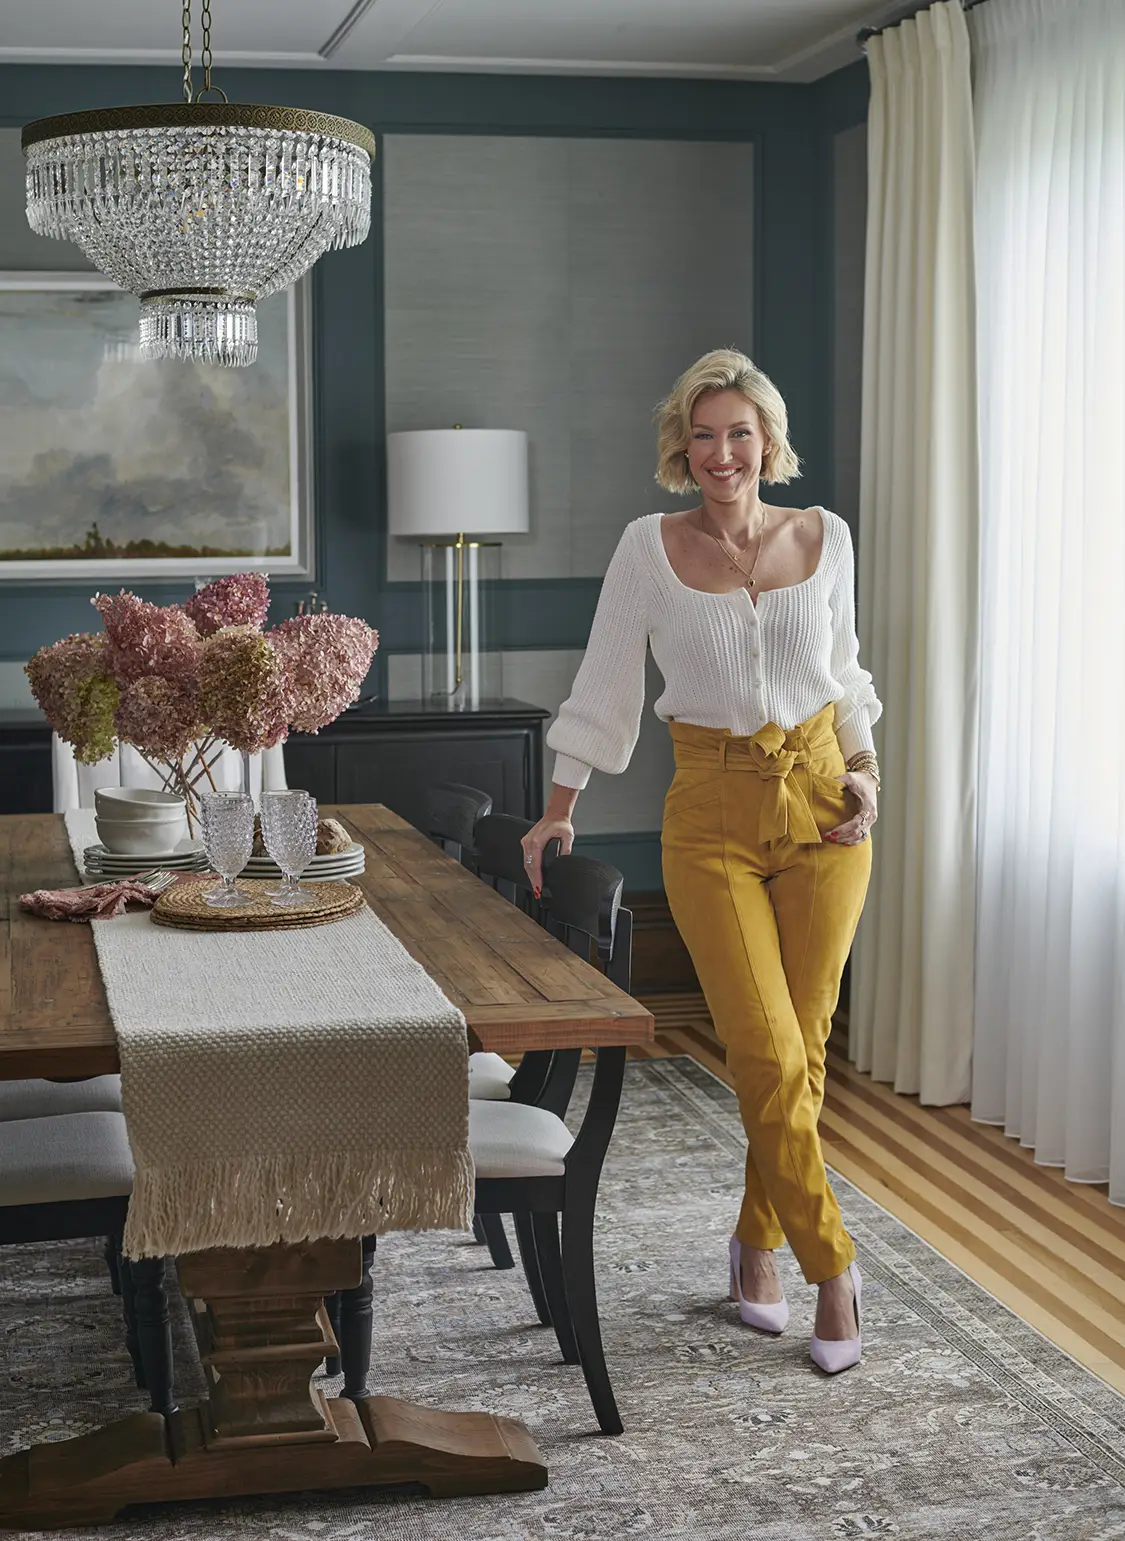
point(962, 1421)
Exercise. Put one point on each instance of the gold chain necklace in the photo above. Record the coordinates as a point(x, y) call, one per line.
point(722, 545)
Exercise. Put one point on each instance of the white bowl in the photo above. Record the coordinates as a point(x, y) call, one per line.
point(142, 837)
point(136, 803)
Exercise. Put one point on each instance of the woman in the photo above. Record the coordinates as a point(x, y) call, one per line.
point(749, 611)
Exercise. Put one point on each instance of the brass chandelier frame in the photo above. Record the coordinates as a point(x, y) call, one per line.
point(199, 114)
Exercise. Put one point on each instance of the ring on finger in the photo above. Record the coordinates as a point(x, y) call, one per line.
point(529, 861)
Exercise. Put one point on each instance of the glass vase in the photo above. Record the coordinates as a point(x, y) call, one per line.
point(193, 775)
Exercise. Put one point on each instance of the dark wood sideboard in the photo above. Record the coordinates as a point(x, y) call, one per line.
point(382, 752)
point(390, 751)
point(25, 763)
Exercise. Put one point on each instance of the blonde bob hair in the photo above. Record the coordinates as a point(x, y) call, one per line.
point(724, 369)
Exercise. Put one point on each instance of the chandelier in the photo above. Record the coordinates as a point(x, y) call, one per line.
point(200, 208)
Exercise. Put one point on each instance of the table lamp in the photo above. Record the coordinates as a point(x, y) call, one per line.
point(447, 488)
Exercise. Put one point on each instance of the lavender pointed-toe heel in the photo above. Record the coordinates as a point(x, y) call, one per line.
point(835, 1354)
point(766, 1317)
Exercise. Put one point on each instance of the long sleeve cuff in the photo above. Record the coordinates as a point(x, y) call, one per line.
point(855, 733)
point(569, 772)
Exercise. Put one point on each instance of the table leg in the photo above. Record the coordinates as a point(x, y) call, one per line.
point(264, 1428)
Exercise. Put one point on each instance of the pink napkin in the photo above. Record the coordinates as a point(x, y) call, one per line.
point(101, 902)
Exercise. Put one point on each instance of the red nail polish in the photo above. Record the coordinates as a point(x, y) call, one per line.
point(537, 892)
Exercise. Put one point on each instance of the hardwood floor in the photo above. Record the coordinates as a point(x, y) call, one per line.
point(1051, 1250)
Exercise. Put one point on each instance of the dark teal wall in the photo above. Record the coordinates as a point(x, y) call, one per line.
point(791, 128)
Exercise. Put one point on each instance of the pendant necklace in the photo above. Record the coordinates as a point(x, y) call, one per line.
point(722, 545)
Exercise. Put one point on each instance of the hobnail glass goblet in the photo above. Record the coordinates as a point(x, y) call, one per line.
point(289, 830)
point(228, 835)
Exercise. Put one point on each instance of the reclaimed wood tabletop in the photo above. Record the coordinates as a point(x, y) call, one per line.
point(518, 987)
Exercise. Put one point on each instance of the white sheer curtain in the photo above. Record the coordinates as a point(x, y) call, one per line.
point(912, 990)
point(1049, 1060)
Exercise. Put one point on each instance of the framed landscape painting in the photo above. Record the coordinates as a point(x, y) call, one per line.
point(113, 467)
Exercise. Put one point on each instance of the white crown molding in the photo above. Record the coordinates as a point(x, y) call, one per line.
point(830, 53)
point(372, 36)
point(228, 58)
point(445, 64)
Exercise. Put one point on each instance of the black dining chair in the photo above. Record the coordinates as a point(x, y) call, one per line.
point(526, 1161)
point(544, 1077)
point(350, 1315)
point(48, 1099)
point(452, 813)
point(500, 862)
point(68, 1177)
point(452, 810)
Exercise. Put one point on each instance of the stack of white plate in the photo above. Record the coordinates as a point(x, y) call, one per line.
point(188, 856)
point(322, 869)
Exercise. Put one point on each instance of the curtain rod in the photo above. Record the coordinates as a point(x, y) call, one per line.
point(905, 13)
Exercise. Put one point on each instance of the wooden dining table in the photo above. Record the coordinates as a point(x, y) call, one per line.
point(259, 1314)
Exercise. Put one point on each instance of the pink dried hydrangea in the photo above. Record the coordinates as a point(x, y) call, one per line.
point(242, 600)
point(146, 639)
point(165, 676)
point(70, 681)
point(244, 693)
point(161, 717)
point(325, 659)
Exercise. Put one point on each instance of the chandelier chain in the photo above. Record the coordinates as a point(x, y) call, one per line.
point(205, 52)
point(250, 197)
point(189, 87)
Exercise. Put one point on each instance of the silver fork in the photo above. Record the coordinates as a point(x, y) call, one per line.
point(158, 879)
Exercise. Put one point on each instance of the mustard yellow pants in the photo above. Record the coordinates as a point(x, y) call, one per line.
point(768, 910)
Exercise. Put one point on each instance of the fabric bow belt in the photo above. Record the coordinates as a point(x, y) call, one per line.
point(785, 807)
point(772, 754)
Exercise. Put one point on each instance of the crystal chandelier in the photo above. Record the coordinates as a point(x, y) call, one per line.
point(200, 208)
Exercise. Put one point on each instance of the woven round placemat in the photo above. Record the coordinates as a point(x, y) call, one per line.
point(184, 906)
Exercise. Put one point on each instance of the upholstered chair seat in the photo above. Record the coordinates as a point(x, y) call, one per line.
point(52, 1099)
point(63, 1160)
point(67, 1177)
point(514, 1139)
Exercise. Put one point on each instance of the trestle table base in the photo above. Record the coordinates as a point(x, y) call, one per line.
point(262, 1330)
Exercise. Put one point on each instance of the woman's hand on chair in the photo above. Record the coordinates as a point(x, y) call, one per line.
point(865, 789)
point(554, 825)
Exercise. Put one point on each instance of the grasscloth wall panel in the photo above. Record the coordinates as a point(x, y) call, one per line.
point(559, 286)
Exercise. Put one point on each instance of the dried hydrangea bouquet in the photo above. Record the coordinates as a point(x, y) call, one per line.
point(181, 682)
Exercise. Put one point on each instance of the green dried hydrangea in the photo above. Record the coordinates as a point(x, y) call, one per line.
point(78, 698)
point(243, 694)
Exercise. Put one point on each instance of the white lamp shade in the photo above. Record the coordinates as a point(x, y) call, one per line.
point(452, 481)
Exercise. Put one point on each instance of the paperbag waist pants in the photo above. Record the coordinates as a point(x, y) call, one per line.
point(768, 909)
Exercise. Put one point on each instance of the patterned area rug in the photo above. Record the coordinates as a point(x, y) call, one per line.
point(962, 1421)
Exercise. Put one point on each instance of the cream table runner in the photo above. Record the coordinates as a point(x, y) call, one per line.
point(282, 1086)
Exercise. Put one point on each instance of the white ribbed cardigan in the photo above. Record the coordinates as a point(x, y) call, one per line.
point(726, 662)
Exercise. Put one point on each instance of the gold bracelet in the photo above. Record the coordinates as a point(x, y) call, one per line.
point(866, 764)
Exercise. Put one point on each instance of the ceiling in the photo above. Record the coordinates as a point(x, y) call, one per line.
point(791, 40)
